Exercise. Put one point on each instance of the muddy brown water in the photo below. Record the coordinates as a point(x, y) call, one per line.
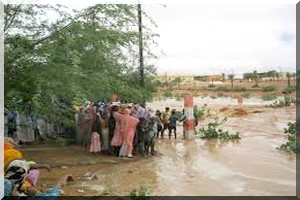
point(250, 166)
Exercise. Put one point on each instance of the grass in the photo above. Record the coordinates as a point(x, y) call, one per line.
point(239, 89)
point(268, 97)
point(269, 88)
point(290, 89)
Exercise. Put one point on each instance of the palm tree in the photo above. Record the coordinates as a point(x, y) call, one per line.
point(231, 77)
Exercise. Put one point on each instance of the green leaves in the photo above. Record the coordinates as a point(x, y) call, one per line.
point(290, 145)
point(51, 65)
point(213, 132)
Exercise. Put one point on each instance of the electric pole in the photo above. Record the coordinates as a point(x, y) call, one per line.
point(141, 45)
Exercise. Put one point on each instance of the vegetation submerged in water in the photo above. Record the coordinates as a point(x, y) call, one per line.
point(290, 145)
point(141, 193)
point(213, 132)
point(287, 101)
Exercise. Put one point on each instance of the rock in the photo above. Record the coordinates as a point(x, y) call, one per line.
point(80, 191)
point(130, 171)
point(64, 167)
point(62, 192)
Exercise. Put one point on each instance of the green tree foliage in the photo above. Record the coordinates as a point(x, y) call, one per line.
point(231, 77)
point(290, 145)
point(87, 54)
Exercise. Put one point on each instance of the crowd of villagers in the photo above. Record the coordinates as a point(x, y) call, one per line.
point(122, 129)
point(113, 128)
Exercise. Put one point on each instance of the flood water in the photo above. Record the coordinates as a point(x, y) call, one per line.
point(251, 166)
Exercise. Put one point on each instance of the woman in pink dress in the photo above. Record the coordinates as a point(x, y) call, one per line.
point(117, 139)
point(96, 131)
point(127, 131)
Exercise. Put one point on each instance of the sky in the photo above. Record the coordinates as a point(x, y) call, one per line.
point(231, 38)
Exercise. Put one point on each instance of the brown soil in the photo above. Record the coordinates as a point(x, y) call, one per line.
point(201, 89)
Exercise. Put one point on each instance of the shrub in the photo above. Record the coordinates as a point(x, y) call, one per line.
point(290, 145)
point(287, 101)
point(290, 89)
point(269, 88)
point(178, 97)
point(223, 88)
point(213, 132)
point(141, 193)
point(246, 95)
point(268, 97)
point(220, 94)
point(255, 85)
point(239, 89)
point(167, 94)
point(211, 86)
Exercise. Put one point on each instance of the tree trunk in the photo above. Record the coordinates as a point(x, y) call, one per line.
point(231, 83)
point(289, 82)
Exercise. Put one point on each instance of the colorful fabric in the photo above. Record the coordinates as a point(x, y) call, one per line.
point(10, 155)
point(8, 187)
point(8, 145)
point(128, 127)
point(50, 194)
point(95, 143)
point(117, 139)
point(32, 176)
point(17, 171)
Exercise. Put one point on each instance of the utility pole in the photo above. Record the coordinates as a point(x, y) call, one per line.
point(141, 45)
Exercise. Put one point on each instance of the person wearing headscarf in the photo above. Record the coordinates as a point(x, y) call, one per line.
point(11, 155)
point(117, 139)
point(127, 130)
point(96, 131)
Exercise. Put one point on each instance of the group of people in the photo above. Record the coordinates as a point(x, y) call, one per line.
point(21, 175)
point(123, 129)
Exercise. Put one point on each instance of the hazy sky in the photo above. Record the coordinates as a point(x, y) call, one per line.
point(214, 39)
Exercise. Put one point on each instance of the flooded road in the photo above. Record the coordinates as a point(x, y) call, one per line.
point(251, 166)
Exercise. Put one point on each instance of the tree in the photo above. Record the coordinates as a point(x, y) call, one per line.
point(231, 77)
point(176, 81)
point(289, 76)
point(87, 54)
point(256, 76)
point(223, 77)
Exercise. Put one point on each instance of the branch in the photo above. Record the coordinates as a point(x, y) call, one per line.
point(11, 19)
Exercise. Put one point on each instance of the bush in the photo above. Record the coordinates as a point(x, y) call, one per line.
point(287, 101)
point(269, 88)
point(141, 193)
point(211, 86)
point(246, 95)
point(220, 94)
point(290, 145)
point(290, 89)
point(268, 97)
point(255, 85)
point(178, 97)
point(239, 89)
point(213, 132)
point(223, 88)
point(167, 94)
